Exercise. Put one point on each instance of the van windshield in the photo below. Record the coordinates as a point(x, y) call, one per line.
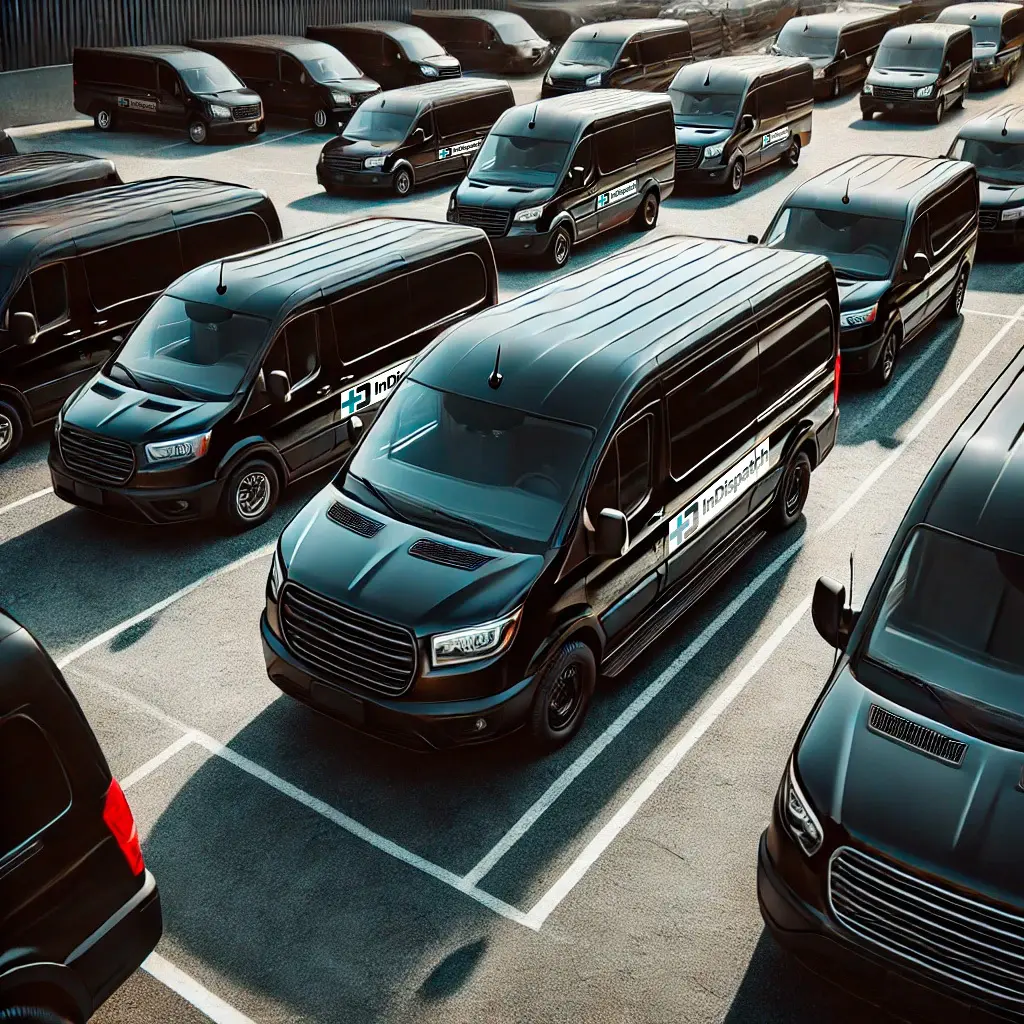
point(908, 58)
point(512, 29)
point(795, 40)
point(378, 126)
point(210, 80)
point(196, 350)
point(420, 45)
point(985, 35)
point(592, 52)
point(330, 67)
point(515, 160)
point(705, 109)
point(863, 248)
point(441, 457)
point(1000, 162)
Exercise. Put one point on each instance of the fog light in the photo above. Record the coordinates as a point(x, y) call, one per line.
point(480, 724)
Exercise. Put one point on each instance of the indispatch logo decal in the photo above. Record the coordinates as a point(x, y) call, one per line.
point(371, 391)
point(773, 138)
point(718, 497)
point(149, 106)
point(618, 194)
point(462, 149)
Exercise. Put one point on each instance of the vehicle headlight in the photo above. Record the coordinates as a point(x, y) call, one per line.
point(547, 79)
point(428, 71)
point(801, 822)
point(1014, 213)
point(59, 421)
point(924, 92)
point(985, 62)
point(858, 317)
point(593, 80)
point(219, 110)
point(710, 152)
point(529, 215)
point(276, 574)
point(475, 642)
point(868, 89)
point(342, 99)
point(819, 72)
point(374, 161)
point(184, 449)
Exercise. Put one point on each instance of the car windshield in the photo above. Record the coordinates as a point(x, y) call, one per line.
point(705, 109)
point(511, 29)
point(515, 160)
point(594, 52)
point(952, 619)
point(200, 350)
point(420, 46)
point(1000, 162)
point(506, 473)
point(378, 126)
point(860, 247)
point(207, 80)
point(796, 40)
point(908, 58)
point(985, 35)
point(330, 67)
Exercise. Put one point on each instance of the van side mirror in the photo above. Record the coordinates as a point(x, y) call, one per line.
point(829, 613)
point(355, 429)
point(611, 534)
point(753, 239)
point(747, 123)
point(919, 266)
point(24, 329)
point(279, 387)
point(419, 135)
point(843, 55)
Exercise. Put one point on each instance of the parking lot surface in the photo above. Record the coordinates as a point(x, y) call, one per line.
point(311, 874)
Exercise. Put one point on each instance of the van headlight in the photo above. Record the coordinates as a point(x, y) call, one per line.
point(712, 152)
point(985, 62)
point(858, 317)
point(529, 215)
point(1014, 213)
point(475, 642)
point(801, 822)
point(924, 92)
point(427, 71)
point(276, 573)
point(374, 161)
point(593, 80)
point(183, 449)
point(219, 110)
point(341, 99)
point(868, 89)
point(59, 421)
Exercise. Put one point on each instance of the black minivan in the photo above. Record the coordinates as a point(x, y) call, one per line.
point(901, 232)
point(78, 910)
point(250, 373)
point(164, 87)
point(734, 115)
point(296, 77)
point(644, 53)
point(997, 30)
point(892, 858)
point(555, 173)
point(78, 272)
point(408, 137)
point(481, 40)
point(33, 177)
point(554, 482)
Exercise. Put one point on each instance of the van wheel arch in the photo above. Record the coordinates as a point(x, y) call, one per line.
point(802, 439)
point(14, 397)
point(403, 165)
point(49, 986)
point(253, 450)
point(580, 629)
point(565, 220)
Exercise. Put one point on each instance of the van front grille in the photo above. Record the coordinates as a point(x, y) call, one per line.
point(345, 645)
point(250, 112)
point(988, 220)
point(559, 87)
point(449, 72)
point(493, 221)
point(93, 457)
point(889, 92)
point(687, 157)
point(362, 97)
point(339, 162)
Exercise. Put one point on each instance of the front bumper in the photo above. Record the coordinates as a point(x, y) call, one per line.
point(235, 129)
point(860, 347)
point(710, 174)
point(901, 108)
point(983, 78)
point(426, 726)
point(998, 232)
point(370, 179)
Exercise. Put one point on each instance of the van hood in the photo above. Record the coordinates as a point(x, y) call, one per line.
point(105, 407)
point(965, 823)
point(901, 79)
point(361, 86)
point(560, 72)
point(231, 98)
point(858, 294)
point(359, 147)
point(690, 135)
point(995, 195)
point(982, 50)
point(502, 197)
point(378, 576)
point(441, 61)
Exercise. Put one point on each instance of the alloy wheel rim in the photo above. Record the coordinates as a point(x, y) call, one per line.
point(6, 432)
point(565, 698)
point(650, 210)
point(253, 495)
point(320, 119)
point(794, 153)
point(403, 182)
point(961, 290)
point(795, 490)
point(888, 357)
point(561, 248)
point(737, 177)
point(197, 131)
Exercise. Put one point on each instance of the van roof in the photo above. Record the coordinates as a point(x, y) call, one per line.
point(977, 13)
point(296, 46)
point(575, 349)
point(479, 13)
point(920, 35)
point(272, 281)
point(878, 185)
point(560, 117)
point(28, 171)
point(181, 58)
point(413, 99)
point(833, 21)
point(733, 74)
point(988, 127)
point(397, 29)
point(620, 31)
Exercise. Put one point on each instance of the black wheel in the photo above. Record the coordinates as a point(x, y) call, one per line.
point(735, 180)
point(792, 155)
point(402, 182)
point(956, 300)
point(104, 119)
point(560, 248)
point(250, 495)
point(885, 364)
point(197, 132)
point(959, 104)
point(1008, 76)
point(940, 109)
point(836, 88)
point(11, 430)
point(563, 696)
point(646, 216)
point(320, 119)
point(31, 1015)
point(792, 492)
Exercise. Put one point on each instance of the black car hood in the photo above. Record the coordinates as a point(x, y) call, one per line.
point(378, 576)
point(106, 407)
point(502, 197)
point(232, 98)
point(901, 79)
point(361, 86)
point(858, 294)
point(574, 72)
point(689, 135)
point(359, 147)
point(995, 195)
point(441, 61)
point(965, 823)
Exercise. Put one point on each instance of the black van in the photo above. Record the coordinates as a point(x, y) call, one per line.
point(78, 272)
point(164, 87)
point(919, 70)
point(901, 232)
point(644, 53)
point(840, 45)
point(997, 31)
point(78, 910)
point(248, 374)
point(558, 172)
point(481, 40)
point(412, 136)
point(7, 146)
point(33, 177)
point(734, 115)
point(296, 77)
point(554, 482)
point(395, 54)
point(994, 143)
point(891, 858)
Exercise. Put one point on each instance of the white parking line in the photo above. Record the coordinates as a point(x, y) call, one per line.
point(159, 760)
point(985, 312)
point(24, 501)
point(190, 990)
point(282, 170)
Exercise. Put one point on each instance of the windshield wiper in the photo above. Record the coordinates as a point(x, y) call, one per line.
point(441, 513)
point(379, 495)
point(128, 373)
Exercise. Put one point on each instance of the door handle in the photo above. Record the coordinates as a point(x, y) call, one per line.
point(656, 518)
point(74, 333)
point(325, 390)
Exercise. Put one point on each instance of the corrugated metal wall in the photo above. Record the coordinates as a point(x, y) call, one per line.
point(34, 33)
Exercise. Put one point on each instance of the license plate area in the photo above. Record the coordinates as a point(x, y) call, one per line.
point(88, 493)
point(337, 702)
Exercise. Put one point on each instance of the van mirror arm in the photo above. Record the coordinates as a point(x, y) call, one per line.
point(832, 617)
point(279, 387)
point(24, 330)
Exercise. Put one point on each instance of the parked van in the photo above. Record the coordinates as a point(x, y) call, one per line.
point(889, 862)
point(78, 272)
point(997, 31)
point(7, 146)
point(555, 173)
point(642, 54)
point(248, 374)
point(482, 40)
point(734, 115)
point(164, 87)
point(920, 70)
point(552, 485)
point(901, 232)
point(394, 53)
point(994, 143)
point(79, 912)
point(33, 177)
point(296, 77)
point(840, 46)
point(415, 135)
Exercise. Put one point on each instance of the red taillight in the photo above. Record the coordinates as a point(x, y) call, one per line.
point(118, 817)
point(835, 392)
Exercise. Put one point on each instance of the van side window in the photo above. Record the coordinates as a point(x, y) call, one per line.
point(253, 64)
point(751, 105)
point(582, 158)
point(130, 71)
point(295, 351)
point(391, 53)
point(133, 269)
point(960, 50)
point(630, 56)
point(445, 289)
point(167, 79)
point(214, 240)
point(791, 349)
point(624, 479)
point(26, 753)
point(45, 295)
point(950, 215)
point(292, 72)
point(653, 134)
point(657, 49)
point(773, 100)
point(370, 320)
point(615, 148)
point(798, 89)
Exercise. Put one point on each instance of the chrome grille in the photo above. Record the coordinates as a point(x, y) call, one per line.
point(555, 86)
point(362, 97)
point(964, 940)
point(250, 112)
point(920, 737)
point(449, 72)
point(346, 645)
point(687, 157)
point(93, 457)
point(988, 220)
point(493, 221)
point(340, 162)
point(889, 92)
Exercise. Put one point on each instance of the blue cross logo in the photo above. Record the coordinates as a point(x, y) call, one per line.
point(602, 200)
point(352, 401)
point(681, 526)
point(443, 154)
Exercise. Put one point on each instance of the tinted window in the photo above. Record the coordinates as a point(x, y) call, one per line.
point(799, 89)
point(167, 79)
point(50, 291)
point(960, 51)
point(582, 158)
point(949, 216)
point(217, 239)
point(133, 269)
point(359, 45)
point(597, 52)
point(908, 58)
point(442, 290)
point(300, 343)
point(654, 133)
point(796, 40)
point(33, 787)
point(455, 118)
point(252, 64)
point(372, 319)
point(670, 46)
point(130, 71)
point(519, 160)
point(624, 477)
point(773, 99)
point(292, 72)
point(615, 148)
point(791, 349)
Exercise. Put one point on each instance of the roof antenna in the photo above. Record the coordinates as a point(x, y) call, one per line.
point(807, 25)
point(1006, 122)
point(221, 286)
point(533, 118)
point(846, 194)
point(707, 80)
point(496, 377)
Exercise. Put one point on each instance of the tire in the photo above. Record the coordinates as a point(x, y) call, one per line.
point(646, 216)
point(560, 249)
point(791, 158)
point(401, 183)
point(940, 109)
point(197, 133)
point(1008, 76)
point(31, 1015)
point(734, 182)
point(792, 493)
point(250, 495)
point(319, 120)
point(866, 115)
point(104, 119)
point(836, 88)
point(885, 365)
point(11, 430)
point(563, 696)
point(959, 105)
point(955, 303)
